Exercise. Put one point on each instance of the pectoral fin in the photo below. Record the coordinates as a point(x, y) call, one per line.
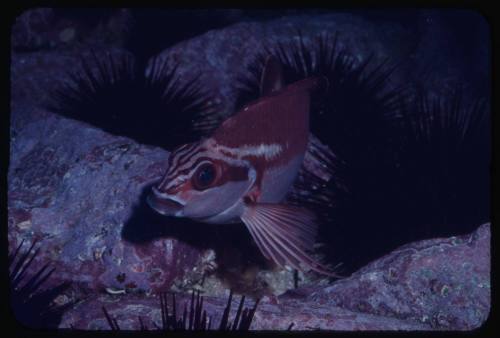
point(283, 234)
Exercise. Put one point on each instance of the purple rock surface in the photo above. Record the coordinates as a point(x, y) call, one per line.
point(76, 195)
point(74, 187)
point(437, 284)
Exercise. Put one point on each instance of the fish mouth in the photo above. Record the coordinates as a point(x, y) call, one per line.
point(163, 205)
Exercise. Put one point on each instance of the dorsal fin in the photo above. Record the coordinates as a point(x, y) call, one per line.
point(271, 79)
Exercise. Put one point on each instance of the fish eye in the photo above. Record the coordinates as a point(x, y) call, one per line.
point(204, 176)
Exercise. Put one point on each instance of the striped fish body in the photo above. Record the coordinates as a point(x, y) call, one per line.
point(254, 155)
point(244, 170)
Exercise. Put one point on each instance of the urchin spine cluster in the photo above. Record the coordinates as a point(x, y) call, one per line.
point(112, 92)
point(394, 150)
point(196, 318)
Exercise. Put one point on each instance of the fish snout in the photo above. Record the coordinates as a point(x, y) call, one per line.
point(162, 204)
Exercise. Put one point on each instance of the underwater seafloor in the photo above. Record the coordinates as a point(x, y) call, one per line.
point(74, 188)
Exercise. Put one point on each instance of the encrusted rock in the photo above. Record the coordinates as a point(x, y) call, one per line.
point(441, 284)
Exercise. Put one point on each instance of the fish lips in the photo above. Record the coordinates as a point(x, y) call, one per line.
point(163, 205)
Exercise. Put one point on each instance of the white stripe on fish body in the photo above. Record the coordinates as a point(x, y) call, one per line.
point(185, 149)
point(175, 181)
point(212, 150)
point(232, 156)
point(190, 156)
point(237, 162)
point(172, 160)
point(190, 153)
point(183, 154)
point(171, 172)
point(268, 151)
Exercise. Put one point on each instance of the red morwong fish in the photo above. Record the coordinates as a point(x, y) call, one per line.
point(244, 170)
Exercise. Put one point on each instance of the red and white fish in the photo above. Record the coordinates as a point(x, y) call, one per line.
point(244, 170)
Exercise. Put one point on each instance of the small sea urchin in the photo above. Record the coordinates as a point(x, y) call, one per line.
point(31, 305)
point(194, 317)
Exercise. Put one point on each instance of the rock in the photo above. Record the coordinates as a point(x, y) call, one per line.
point(48, 28)
point(77, 195)
point(29, 30)
point(439, 284)
point(444, 283)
